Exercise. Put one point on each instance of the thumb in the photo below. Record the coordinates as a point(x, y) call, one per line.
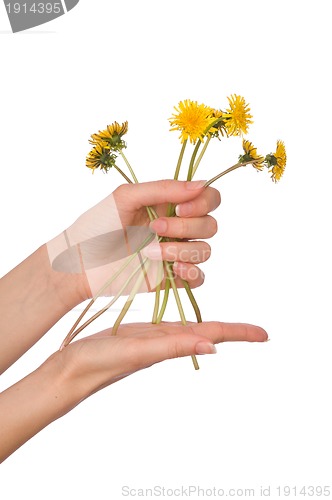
point(157, 192)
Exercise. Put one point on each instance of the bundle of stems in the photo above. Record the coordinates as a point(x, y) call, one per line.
point(164, 267)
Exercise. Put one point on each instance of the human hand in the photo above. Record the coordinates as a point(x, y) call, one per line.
point(88, 365)
point(99, 242)
point(102, 359)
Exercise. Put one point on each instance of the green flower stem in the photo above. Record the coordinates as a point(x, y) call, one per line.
point(170, 210)
point(128, 165)
point(199, 159)
point(169, 213)
point(193, 301)
point(123, 174)
point(157, 297)
point(179, 304)
point(193, 157)
point(230, 169)
point(170, 207)
point(178, 166)
point(151, 212)
point(131, 297)
point(100, 291)
point(165, 300)
point(152, 216)
point(99, 313)
point(191, 298)
point(192, 161)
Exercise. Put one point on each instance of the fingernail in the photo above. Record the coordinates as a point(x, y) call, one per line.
point(205, 348)
point(152, 251)
point(159, 226)
point(191, 185)
point(184, 209)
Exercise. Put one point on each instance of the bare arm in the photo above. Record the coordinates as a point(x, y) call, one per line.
point(33, 299)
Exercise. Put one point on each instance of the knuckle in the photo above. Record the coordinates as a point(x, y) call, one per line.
point(176, 350)
point(182, 228)
point(191, 329)
point(121, 190)
point(221, 332)
point(205, 206)
point(170, 252)
point(164, 184)
point(246, 333)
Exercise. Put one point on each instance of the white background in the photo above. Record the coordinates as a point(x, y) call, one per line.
point(255, 414)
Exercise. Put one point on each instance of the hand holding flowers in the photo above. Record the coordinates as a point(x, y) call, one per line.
point(198, 124)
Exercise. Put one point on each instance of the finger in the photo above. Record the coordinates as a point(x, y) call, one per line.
point(130, 353)
point(213, 331)
point(194, 251)
point(189, 272)
point(205, 202)
point(146, 194)
point(178, 227)
point(230, 332)
point(168, 346)
point(180, 341)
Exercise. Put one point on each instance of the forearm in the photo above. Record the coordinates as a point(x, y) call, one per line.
point(34, 402)
point(33, 299)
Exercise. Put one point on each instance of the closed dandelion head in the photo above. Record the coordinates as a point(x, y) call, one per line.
point(192, 120)
point(237, 117)
point(250, 154)
point(112, 135)
point(100, 157)
point(277, 161)
point(218, 129)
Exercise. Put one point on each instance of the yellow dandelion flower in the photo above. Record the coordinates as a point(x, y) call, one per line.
point(192, 120)
point(277, 161)
point(250, 153)
point(237, 117)
point(100, 156)
point(112, 135)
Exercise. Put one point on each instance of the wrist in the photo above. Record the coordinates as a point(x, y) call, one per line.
point(61, 379)
point(70, 288)
point(83, 367)
point(33, 298)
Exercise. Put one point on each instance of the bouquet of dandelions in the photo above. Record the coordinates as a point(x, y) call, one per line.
point(198, 124)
